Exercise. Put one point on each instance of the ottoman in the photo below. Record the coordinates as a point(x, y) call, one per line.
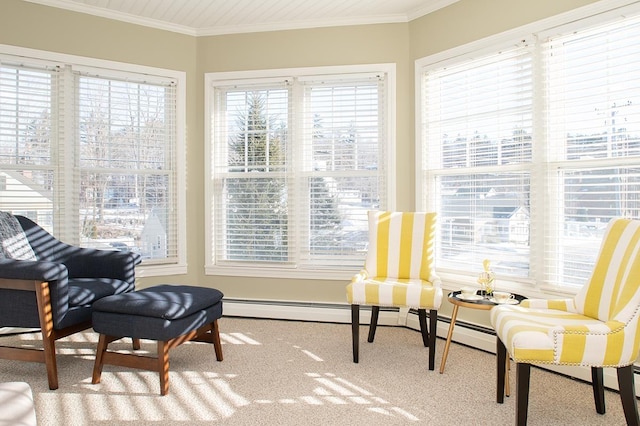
point(168, 314)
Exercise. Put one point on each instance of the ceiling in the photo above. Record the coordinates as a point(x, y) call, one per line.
point(214, 17)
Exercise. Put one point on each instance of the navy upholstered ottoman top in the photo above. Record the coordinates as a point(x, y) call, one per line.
point(163, 301)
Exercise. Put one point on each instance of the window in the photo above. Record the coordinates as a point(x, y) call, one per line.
point(528, 148)
point(91, 153)
point(297, 158)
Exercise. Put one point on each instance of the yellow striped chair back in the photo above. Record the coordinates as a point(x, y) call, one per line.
point(612, 292)
point(399, 268)
point(401, 245)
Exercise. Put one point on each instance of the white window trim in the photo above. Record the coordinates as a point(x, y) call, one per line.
point(181, 98)
point(453, 281)
point(273, 271)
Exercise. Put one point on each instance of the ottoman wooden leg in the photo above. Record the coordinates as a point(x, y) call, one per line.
point(163, 366)
point(103, 342)
point(210, 333)
point(97, 366)
point(215, 332)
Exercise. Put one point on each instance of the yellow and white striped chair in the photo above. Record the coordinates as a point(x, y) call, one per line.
point(597, 328)
point(398, 272)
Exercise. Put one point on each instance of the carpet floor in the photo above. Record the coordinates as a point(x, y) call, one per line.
point(297, 373)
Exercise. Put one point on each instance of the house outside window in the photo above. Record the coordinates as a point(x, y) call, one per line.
point(91, 152)
point(296, 159)
point(529, 145)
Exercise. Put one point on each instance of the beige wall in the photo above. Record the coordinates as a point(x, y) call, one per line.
point(470, 20)
point(40, 27)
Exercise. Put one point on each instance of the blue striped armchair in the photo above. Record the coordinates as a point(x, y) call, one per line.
point(50, 285)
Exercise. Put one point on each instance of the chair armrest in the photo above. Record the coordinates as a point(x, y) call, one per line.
point(32, 270)
point(435, 279)
point(602, 329)
point(360, 276)
point(567, 305)
point(94, 263)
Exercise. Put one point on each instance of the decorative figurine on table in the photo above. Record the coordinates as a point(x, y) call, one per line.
point(486, 279)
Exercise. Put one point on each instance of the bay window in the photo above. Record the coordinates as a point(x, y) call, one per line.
point(529, 146)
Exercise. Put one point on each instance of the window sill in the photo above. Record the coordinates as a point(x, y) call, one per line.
point(143, 271)
point(271, 272)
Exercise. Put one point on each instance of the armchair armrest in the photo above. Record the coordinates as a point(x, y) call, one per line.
point(94, 263)
point(80, 262)
point(32, 270)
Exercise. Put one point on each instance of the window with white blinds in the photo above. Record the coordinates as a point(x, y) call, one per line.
point(528, 152)
point(296, 163)
point(90, 154)
point(477, 132)
point(592, 81)
point(27, 168)
point(127, 163)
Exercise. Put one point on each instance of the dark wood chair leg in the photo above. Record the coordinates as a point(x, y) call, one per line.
point(523, 375)
point(433, 326)
point(355, 330)
point(597, 383)
point(628, 394)
point(501, 361)
point(422, 318)
point(375, 312)
point(136, 344)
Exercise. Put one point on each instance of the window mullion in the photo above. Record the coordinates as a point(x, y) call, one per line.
point(66, 201)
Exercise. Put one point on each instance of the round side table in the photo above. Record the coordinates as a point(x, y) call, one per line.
point(481, 303)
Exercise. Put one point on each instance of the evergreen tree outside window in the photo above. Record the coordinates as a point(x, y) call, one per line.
point(256, 207)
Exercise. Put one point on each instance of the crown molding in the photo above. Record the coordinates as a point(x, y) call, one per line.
point(236, 29)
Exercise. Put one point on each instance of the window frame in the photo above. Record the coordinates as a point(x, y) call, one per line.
point(278, 271)
point(119, 69)
point(426, 191)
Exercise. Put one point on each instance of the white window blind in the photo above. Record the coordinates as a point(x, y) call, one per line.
point(296, 164)
point(527, 153)
point(127, 164)
point(592, 79)
point(344, 124)
point(251, 172)
point(477, 129)
point(26, 126)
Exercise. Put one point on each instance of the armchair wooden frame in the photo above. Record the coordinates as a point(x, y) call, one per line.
point(47, 355)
